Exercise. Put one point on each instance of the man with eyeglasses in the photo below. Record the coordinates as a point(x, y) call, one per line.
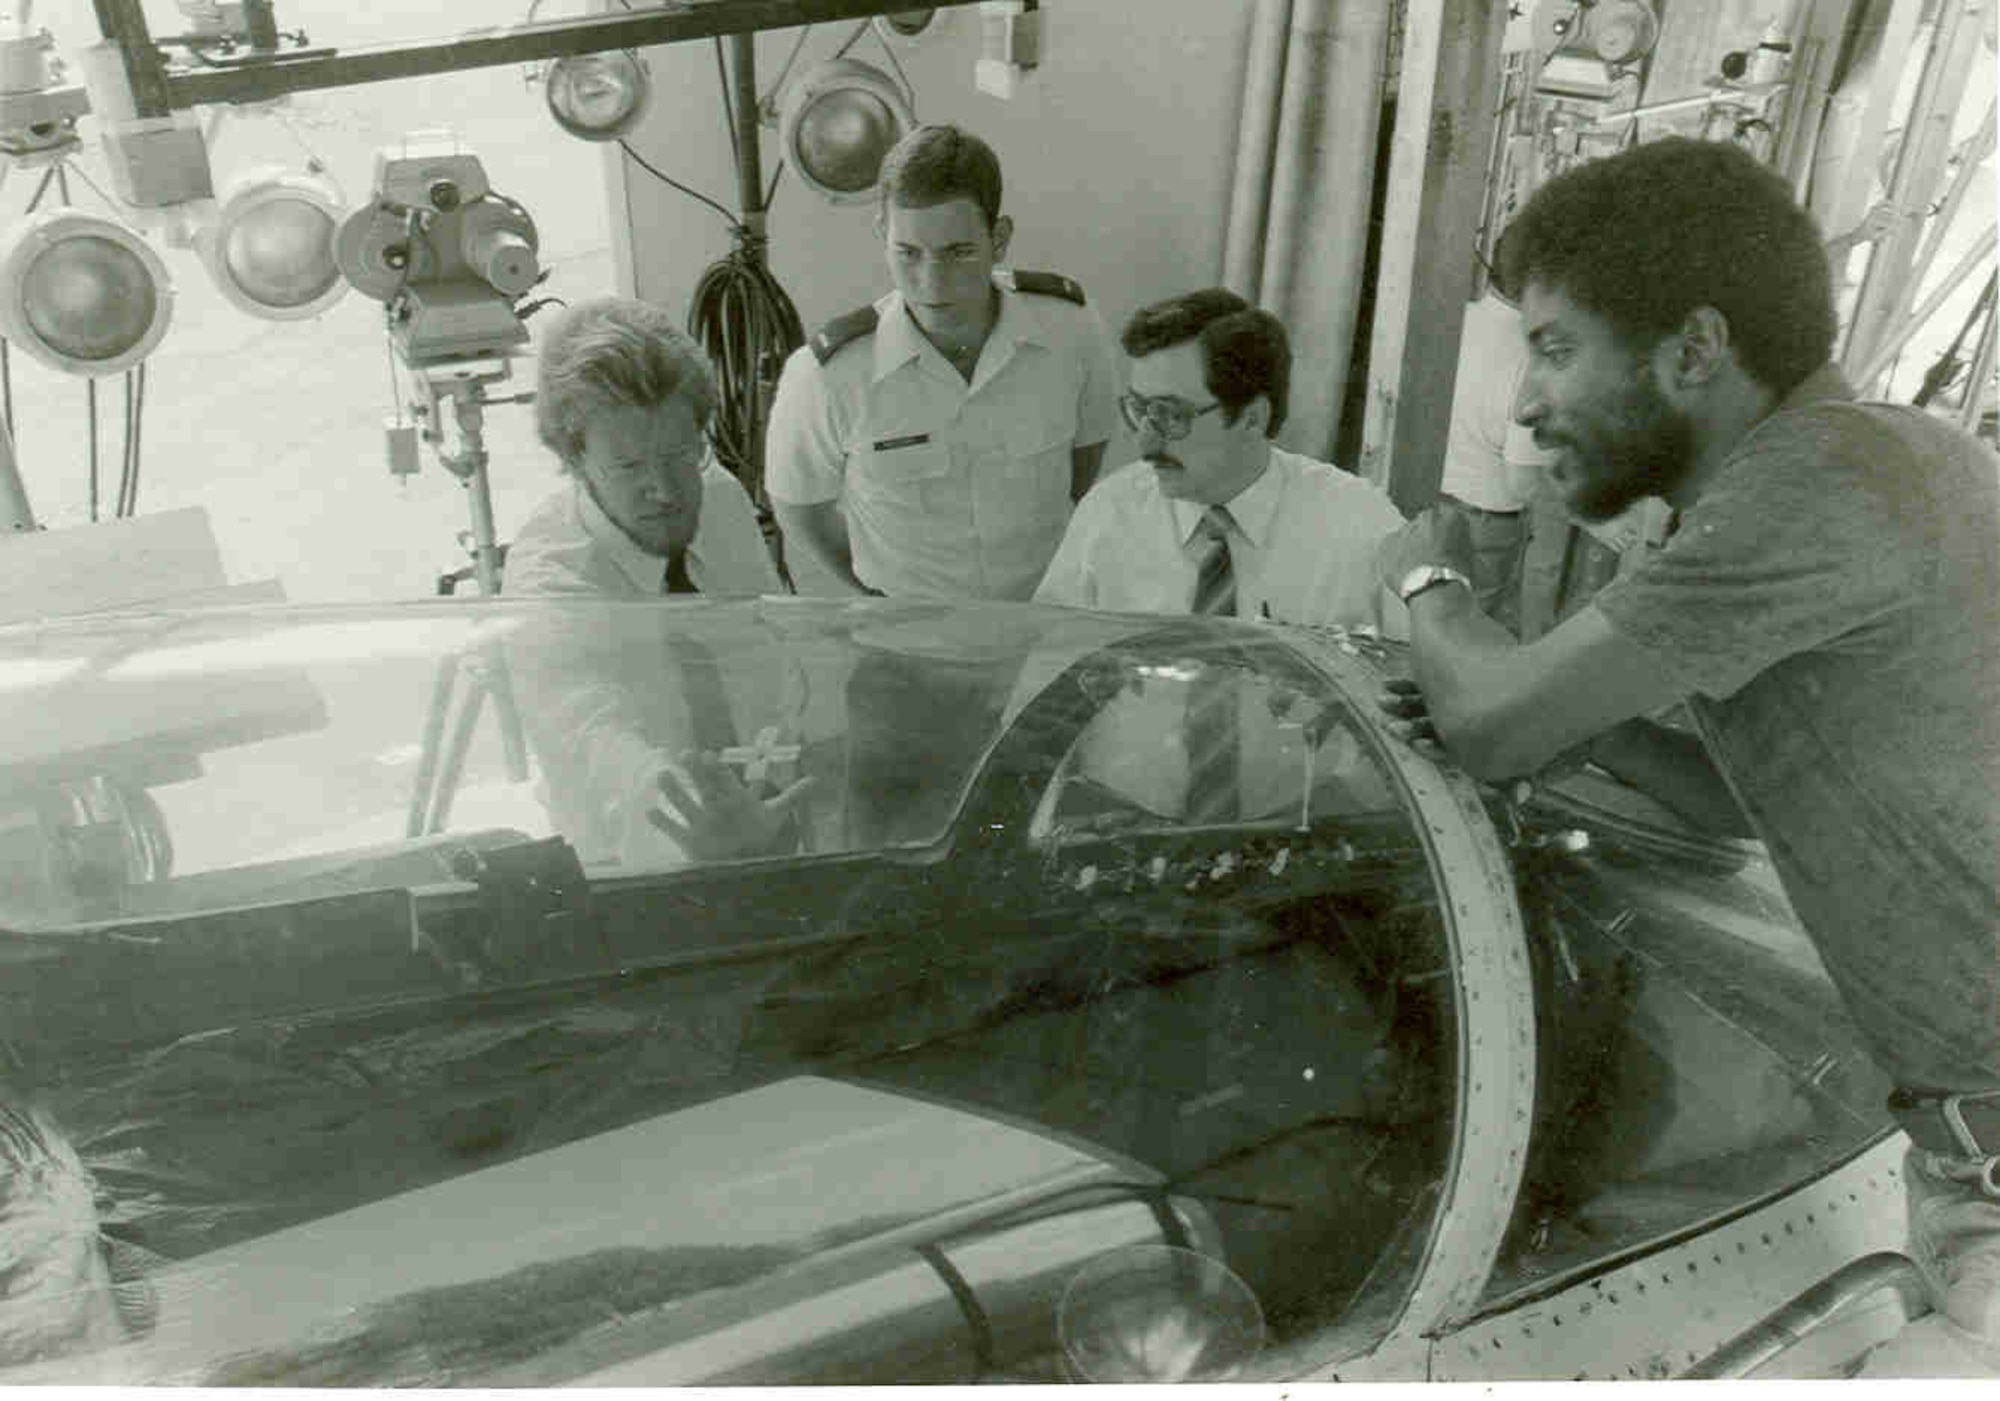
point(628, 727)
point(1215, 517)
point(931, 445)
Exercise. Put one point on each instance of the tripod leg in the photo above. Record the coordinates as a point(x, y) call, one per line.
point(427, 760)
point(513, 739)
point(453, 767)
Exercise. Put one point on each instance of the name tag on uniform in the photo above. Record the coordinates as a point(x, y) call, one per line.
point(908, 440)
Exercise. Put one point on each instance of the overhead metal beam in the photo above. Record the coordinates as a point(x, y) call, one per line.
point(145, 65)
point(159, 89)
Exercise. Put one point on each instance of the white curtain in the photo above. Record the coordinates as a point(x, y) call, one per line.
point(1305, 161)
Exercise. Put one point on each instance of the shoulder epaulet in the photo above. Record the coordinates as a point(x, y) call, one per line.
point(1049, 284)
point(828, 339)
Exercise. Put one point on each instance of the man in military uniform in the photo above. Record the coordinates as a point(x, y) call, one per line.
point(931, 445)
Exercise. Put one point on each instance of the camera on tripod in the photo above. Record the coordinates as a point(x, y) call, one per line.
point(447, 253)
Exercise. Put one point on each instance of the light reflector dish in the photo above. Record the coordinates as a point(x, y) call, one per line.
point(81, 293)
point(838, 123)
point(598, 97)
point(270, 249)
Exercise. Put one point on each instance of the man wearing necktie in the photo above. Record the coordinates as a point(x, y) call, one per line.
point(1212, 490)
point(623, 399)
point(1216, 519)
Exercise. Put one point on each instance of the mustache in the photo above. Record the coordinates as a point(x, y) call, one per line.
point(1163, 459)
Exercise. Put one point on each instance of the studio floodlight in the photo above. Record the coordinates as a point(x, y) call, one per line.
point(598, 97)
point(82, 293)
point(836, 125)
point(270, 246)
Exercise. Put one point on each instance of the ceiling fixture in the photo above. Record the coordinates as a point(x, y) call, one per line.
point(598, 97)
point(83, 294)
point(838, 123)
point(269, 246)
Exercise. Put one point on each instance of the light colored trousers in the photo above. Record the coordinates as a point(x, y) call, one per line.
point(1955, 1242)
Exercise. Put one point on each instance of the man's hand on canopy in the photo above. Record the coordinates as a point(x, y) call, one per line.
point(1410, 721)
point(713, 815)
point(1409, 717)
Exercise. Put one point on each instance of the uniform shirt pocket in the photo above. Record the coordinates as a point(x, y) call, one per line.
point(1037, 464)
point(895, 466)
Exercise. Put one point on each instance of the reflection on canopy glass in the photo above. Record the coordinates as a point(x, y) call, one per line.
point(1034, 974)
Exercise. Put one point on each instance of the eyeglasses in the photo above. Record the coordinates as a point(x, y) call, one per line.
point(1171, 419)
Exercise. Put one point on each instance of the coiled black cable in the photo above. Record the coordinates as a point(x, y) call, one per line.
point(748, 324)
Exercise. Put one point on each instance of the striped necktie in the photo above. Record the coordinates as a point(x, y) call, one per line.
point(1215, 578)
point(1213, 739)
point(1211, 734)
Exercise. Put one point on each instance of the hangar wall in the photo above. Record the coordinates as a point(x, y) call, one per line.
point(1118, 153)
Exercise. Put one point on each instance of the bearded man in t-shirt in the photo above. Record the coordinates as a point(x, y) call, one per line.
point(1827, 606)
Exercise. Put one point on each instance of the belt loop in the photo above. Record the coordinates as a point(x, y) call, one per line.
point(1950, 1110)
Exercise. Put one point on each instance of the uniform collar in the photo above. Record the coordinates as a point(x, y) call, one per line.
point(1254, 509)
point(898, 341)
point(646, 571)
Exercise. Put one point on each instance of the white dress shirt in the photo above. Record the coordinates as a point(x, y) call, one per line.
point(1302, 547)
point(1490, 461)
point(568, 545)
point(605, 695)
point(950, 489)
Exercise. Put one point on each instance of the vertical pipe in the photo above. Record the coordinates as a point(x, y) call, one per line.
point(1976, 152)
point(1850, 200)
point(1257, 138)
point(743, 115)
point(1322, 188)
point(1437, 173)
point(1301, 116)
point(1395, 278)
point(1919, 164)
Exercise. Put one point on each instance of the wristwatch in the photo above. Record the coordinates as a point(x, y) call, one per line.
point(1426, 576)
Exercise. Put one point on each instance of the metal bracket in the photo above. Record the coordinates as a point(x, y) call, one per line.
point(533, 898)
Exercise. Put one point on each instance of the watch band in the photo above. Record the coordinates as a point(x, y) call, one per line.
point(1426, 576)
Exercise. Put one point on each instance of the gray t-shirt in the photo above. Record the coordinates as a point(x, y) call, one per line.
point(1831, 606)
